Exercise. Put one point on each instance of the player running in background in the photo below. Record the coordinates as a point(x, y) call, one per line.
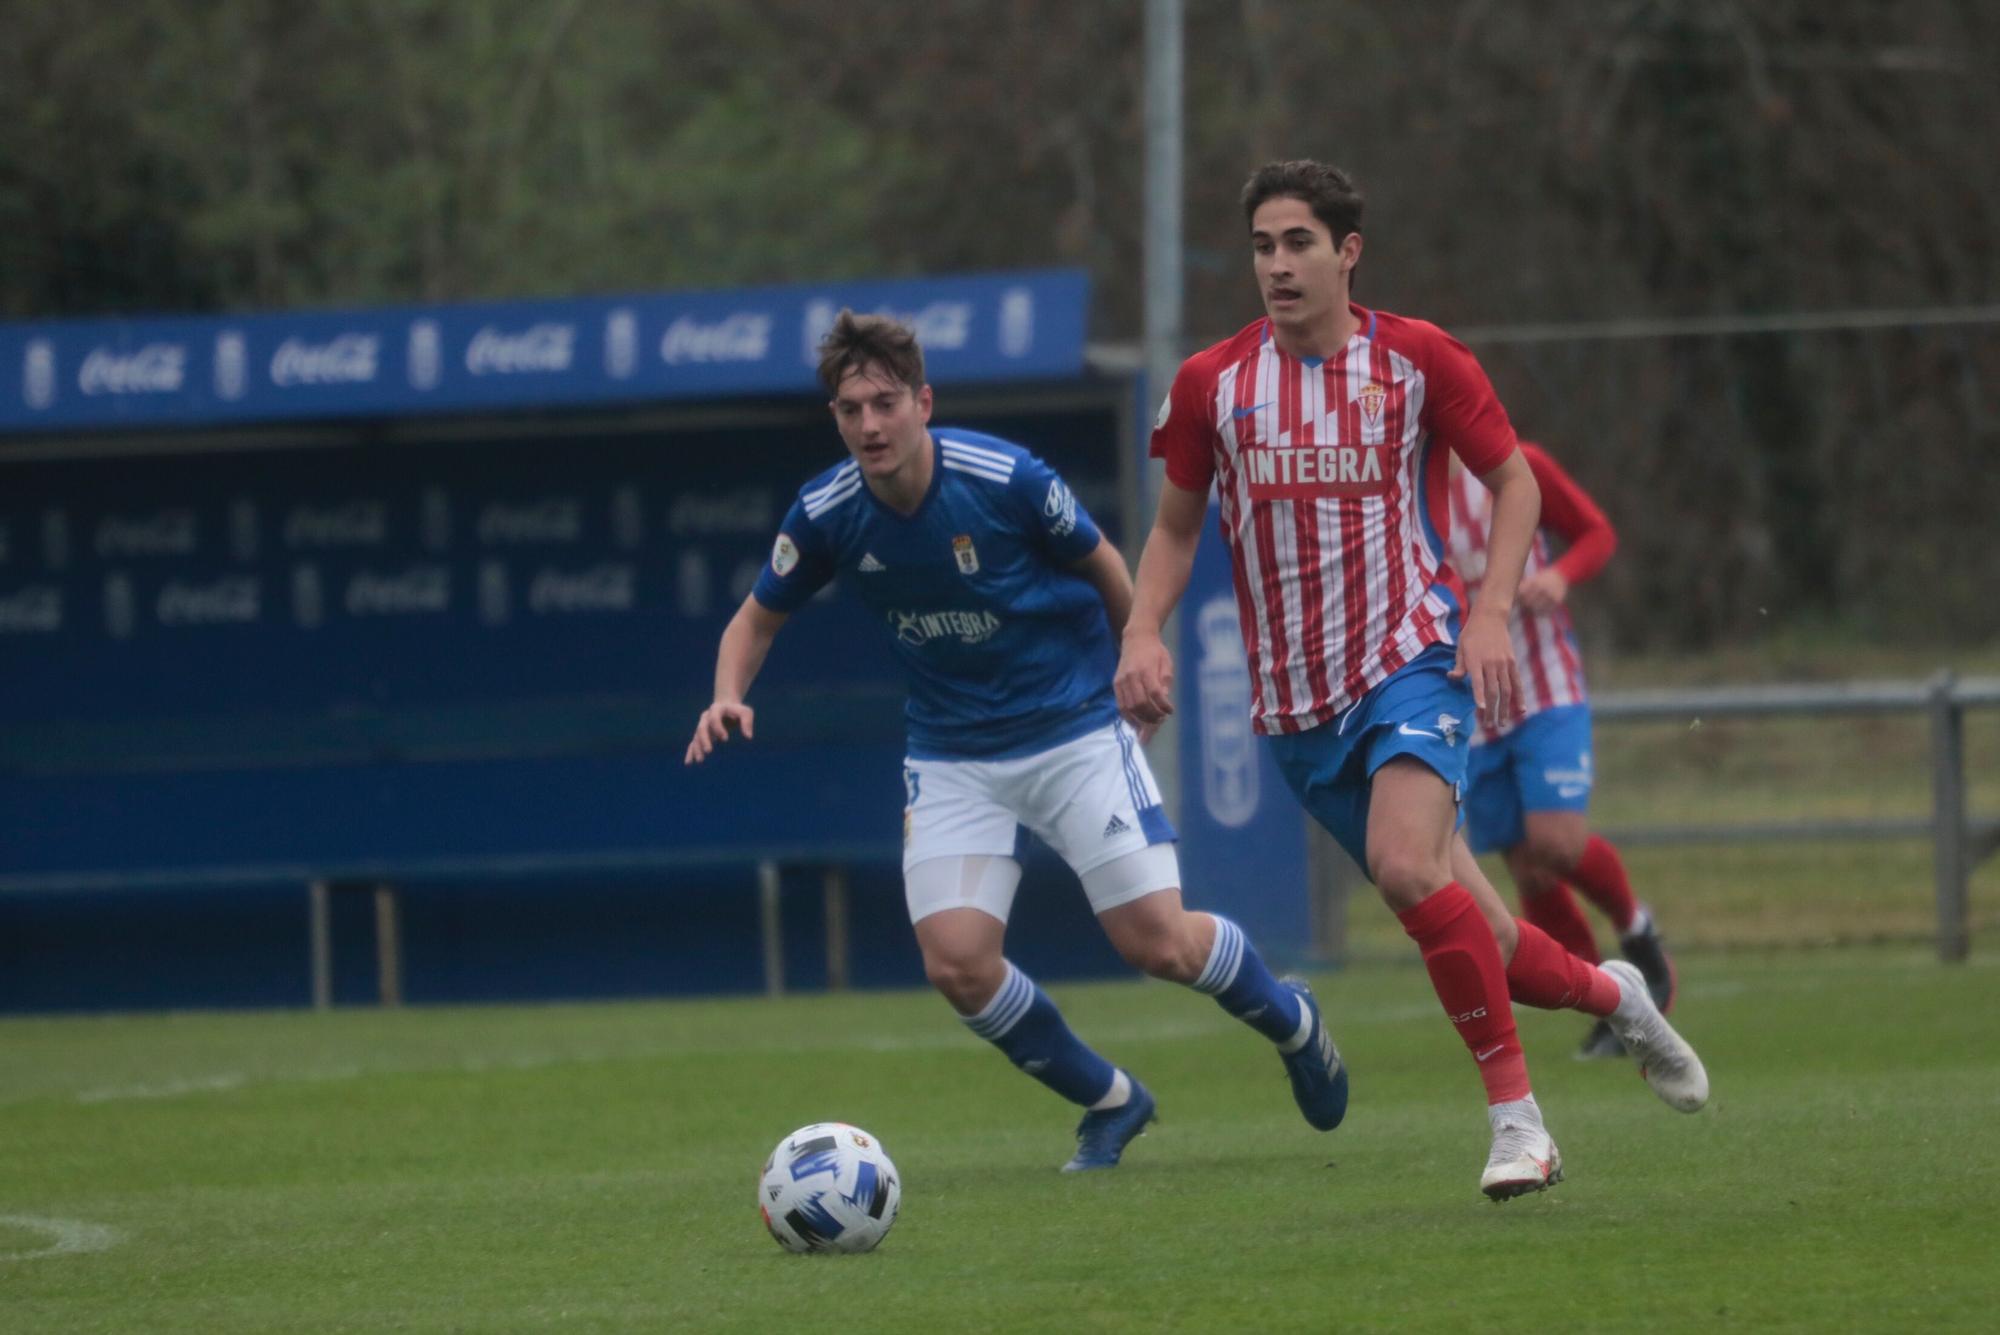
point(1325, 427)
point(1003, 600)
point(1528, 783)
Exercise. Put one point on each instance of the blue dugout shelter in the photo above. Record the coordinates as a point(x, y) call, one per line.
point(424, 601)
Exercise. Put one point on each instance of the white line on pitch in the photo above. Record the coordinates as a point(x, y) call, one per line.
point(70, 1236)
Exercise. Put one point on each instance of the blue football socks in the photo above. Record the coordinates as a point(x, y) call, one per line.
point(1023, 1023)
point(1236, 977)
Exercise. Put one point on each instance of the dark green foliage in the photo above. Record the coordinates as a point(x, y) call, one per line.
point(1562, 162)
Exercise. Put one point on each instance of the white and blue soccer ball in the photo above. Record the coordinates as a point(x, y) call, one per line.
point(829, 1187)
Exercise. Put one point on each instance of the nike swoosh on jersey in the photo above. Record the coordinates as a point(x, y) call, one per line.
point(1240, 413)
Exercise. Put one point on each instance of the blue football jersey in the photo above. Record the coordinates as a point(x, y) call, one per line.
point(1007, 650)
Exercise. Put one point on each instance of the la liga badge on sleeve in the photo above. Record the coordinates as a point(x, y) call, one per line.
point(784, 556)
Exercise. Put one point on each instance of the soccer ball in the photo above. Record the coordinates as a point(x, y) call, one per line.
point(829, 1187)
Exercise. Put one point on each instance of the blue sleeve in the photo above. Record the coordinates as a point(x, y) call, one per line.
point(1058, 523)
point(800, 564)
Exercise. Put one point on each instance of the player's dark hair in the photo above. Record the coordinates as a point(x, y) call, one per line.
point(857, 342)
point(1327, 190)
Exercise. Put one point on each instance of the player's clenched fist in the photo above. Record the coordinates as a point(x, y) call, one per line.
point(712, 728)
point(1145, 681)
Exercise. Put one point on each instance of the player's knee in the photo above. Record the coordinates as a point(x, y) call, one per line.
point(1555, 852)
point(1406, 876)
point(1532, 877)
point(1172, 955)
point(1554, 841)
point(967, 983)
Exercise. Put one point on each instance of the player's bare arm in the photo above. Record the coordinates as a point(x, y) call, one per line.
point(1105, 569)
point(744, 644)
point(1485, 648)
point(1145, 680)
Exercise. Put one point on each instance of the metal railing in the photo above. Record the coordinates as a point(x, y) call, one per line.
point(1960, 841)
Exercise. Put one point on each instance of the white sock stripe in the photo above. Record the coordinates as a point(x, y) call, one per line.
point(1218, 964)
point(983, 1023)
point(1302, 1034)
point(1009, 1004)
point(1018, 1001)
point(1224, 957)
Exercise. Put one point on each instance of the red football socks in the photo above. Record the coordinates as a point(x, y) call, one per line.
point(1544, 975)
point(1555, 911)
point(1465, 968)
point(1600, 874)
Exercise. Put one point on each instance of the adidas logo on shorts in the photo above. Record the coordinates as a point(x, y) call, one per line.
point(1117, 826)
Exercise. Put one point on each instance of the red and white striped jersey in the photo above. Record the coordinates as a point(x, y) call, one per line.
point(1332, 490)
point(1545, 652)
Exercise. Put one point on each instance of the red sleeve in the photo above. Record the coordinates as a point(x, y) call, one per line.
point(1461, 408)
point(1184, 432)
point(1570, 513)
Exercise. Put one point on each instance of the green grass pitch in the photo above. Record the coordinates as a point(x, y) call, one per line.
point(593, 1168)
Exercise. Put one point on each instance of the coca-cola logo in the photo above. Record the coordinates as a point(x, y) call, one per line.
point(157, 368)
point(742, 337)
point(943, 325)
point(418, 589)
point(545, 347)
point(233, 600)
point(603, 588)
point(356, 524)
point(37, 609)
point(745, 512)
point(555, 519)
point(349, 359)
point(168, 533)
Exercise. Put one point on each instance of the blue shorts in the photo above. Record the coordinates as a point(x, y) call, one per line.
point(1542, 765)
point(1418, 711)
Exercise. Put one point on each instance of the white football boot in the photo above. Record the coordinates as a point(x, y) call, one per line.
point(1665, 1058)
point(1524, 1158)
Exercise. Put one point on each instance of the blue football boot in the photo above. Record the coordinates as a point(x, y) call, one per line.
point(1319, 1079)
point(1101, 1137)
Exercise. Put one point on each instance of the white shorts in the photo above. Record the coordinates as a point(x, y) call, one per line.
point(1092, 800)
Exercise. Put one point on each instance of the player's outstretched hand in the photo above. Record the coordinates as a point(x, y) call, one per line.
point(1145, 681)
point(1486, 659)
point(1544, 590)
point(712, 728)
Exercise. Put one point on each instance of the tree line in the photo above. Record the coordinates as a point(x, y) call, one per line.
point(1568, 161)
